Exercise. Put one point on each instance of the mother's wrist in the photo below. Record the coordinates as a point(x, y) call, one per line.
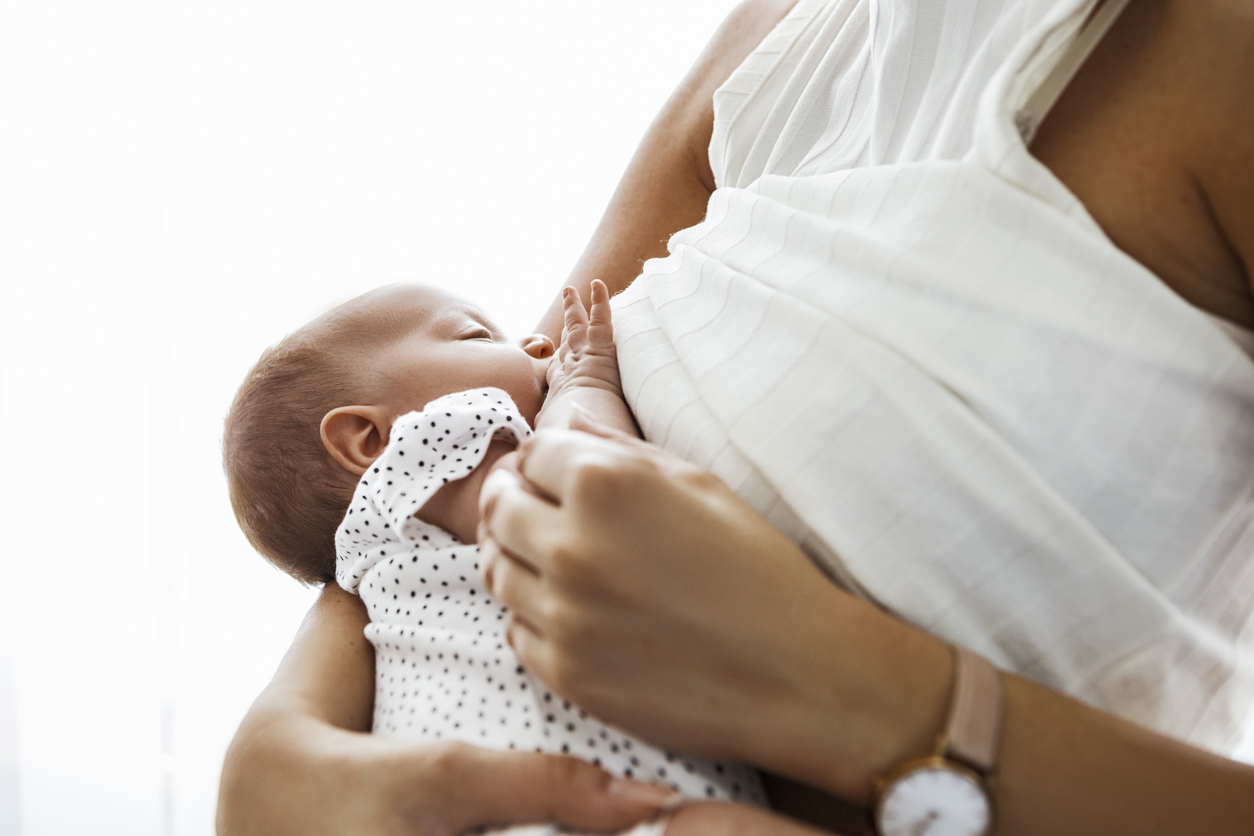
point(873, 693)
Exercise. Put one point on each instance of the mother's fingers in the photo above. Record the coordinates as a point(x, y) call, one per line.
point(559, 463)
point(526, 787)
point(511, 581)
point(520, 522)
point(530, 647)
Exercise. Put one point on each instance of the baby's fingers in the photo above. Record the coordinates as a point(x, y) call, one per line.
point(600, 322)
point(574, 320)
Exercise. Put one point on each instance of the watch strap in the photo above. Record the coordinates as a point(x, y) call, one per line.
point(973, 730)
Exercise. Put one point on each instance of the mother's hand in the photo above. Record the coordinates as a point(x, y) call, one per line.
point(649, 594)
point(367, 785)
point(646, 591)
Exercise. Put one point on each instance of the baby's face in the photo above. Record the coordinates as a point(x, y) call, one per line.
point(443, 345)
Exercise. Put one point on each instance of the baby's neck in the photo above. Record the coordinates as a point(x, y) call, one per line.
point(455, 506)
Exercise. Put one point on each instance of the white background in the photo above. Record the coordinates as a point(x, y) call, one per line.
point(181, 183)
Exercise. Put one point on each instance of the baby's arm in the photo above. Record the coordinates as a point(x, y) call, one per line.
point(584, 375)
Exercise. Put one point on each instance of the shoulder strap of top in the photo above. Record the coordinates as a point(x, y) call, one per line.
point(1042, 101)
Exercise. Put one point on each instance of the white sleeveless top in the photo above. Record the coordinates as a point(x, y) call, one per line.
point(900, 338)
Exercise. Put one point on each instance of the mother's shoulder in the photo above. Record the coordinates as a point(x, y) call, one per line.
point(740, 33)
point(1223, 31)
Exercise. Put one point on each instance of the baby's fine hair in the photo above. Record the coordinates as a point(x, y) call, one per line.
point(288, 494)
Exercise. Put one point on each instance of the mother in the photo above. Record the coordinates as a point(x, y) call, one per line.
point(980, 387)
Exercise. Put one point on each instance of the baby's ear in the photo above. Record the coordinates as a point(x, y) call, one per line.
point(356, 435)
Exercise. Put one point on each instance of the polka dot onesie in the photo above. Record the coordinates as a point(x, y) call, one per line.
point(443, 667)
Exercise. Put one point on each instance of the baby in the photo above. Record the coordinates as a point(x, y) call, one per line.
point(355, 452)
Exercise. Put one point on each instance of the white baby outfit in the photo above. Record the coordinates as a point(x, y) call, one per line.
point(442, 665)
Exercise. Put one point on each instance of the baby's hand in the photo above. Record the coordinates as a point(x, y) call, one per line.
point(583, 377)
point(587, 357)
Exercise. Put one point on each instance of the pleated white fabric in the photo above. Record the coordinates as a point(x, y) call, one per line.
point(900, 338)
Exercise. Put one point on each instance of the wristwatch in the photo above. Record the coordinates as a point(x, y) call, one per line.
point(944, 794)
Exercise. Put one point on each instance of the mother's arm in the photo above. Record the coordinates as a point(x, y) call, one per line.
point(728, 643)
point(301, 762)
point(668, 182)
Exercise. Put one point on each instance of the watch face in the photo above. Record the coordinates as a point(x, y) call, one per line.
point(934, 801)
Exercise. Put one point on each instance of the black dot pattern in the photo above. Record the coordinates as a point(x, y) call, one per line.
point(442, 666)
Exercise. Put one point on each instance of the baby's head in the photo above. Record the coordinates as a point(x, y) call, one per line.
point(318, 408)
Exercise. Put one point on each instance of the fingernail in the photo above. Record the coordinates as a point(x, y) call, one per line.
point(663, 798)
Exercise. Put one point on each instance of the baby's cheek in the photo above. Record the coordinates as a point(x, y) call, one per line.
point(527, 382)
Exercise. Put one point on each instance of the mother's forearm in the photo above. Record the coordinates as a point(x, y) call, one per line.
point(668, 182)
point(851, 692)
point(328, 672)
point(878, 698)
point(301, 724)
point(280, 770)
point(301, 765)
point(1069, 768)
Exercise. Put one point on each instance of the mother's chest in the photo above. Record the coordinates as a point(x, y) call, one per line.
point(1149, 137)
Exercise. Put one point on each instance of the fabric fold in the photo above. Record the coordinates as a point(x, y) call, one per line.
point(901, 339)
point(442, 443)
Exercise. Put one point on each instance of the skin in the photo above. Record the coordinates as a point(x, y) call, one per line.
point(1154, 137)
point(439, 344)
point(583, 378)
point(444, 344)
